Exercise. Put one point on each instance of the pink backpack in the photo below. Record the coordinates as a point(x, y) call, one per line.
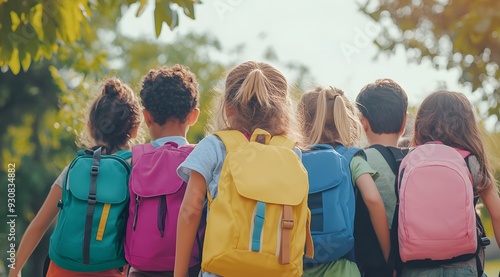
point(437, 219)
point(156, 193)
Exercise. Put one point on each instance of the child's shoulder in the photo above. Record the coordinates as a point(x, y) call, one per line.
point(210, 145)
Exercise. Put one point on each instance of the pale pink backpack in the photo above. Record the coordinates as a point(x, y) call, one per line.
point(437, 219)
point(156, 193)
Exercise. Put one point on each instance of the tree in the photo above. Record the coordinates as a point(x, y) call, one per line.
point(451, 34)
point(31, 29)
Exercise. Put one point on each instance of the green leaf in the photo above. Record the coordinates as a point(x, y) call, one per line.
point(14, 64)
point(26, 62)
point(164, 13)
point(141, 7)
point(159, 15)
point(189, 8)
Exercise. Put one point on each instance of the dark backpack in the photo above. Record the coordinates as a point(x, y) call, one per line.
point(367, 248)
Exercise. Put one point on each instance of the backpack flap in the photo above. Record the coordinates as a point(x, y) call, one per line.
point(319, 162)
point(146, 186)
point(79, 177)
point(252, 179)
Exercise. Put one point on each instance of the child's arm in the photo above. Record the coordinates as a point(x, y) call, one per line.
point(376, 208)
point(188, 223)
point(37, 229)
point(492, 201)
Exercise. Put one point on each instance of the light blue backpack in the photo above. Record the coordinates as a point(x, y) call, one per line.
point(332, 204)
point(91, 226)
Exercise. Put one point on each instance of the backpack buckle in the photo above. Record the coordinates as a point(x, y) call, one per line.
point(94, 170)
point(92, 199)
point(287, 223)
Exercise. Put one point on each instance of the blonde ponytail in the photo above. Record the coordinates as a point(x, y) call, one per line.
point(318, 124)
point(342, 121)
point(254, 85)
point(329, 117)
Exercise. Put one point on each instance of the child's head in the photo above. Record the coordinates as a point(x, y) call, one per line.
point(383, 104)
point(170, 94)
point(448, 117)
point(256, 96)
point(329, 117)
point(114, 117)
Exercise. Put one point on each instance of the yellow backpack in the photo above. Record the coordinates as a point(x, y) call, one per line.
point(258, 225)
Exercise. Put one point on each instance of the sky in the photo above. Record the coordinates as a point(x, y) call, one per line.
point(332, 38)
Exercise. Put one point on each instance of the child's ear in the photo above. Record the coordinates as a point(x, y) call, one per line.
point(365, 123)
point(148, 118)
point(193, 116)
point(403, 126)
point(135, 131)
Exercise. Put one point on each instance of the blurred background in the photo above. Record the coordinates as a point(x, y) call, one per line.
point(55, 53)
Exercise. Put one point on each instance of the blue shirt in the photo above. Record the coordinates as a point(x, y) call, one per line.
point(177, 139)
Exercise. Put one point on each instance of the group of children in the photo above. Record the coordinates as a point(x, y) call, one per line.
point(254, 177)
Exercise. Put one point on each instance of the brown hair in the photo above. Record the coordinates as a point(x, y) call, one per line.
point(448, 117)
point(112, 118)
point(170, 93)
point(329, 117)
point(257, 94)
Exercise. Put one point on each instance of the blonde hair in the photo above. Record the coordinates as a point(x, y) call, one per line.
point(329, 117)
point(256, 96)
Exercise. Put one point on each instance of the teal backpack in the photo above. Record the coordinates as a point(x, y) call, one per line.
point(93, 213)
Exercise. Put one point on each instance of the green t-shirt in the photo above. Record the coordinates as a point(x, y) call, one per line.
point(360, 166)
point(341, 267)
point(385, 182)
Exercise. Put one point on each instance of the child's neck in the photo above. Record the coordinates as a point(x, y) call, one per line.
point(168, 129)
point(383, 139)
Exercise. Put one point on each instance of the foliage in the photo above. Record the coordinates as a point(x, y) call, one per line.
point(33, 140)
point(452, 34)
point(32, 29)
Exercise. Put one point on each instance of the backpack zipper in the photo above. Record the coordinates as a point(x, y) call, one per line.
point(137, 198)
point(162, 213)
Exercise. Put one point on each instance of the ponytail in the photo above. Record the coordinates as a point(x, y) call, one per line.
point(341, 125)
point(342, 119)
point(256, 96)
point(254, 85)
point(318, 124)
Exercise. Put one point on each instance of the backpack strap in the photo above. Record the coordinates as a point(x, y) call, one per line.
point(287, 224)
point(463, 153)
point(282, 141)
point(321, 146)
point(350, 152)
point(393, 156)
point(91, 200)
point(232, 139)
point(124, 154)
point(257, 132)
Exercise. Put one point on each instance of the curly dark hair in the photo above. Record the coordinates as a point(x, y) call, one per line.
point(170, 93)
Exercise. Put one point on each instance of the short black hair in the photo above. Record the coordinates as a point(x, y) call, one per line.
point(169, 93)
point(384, 104)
